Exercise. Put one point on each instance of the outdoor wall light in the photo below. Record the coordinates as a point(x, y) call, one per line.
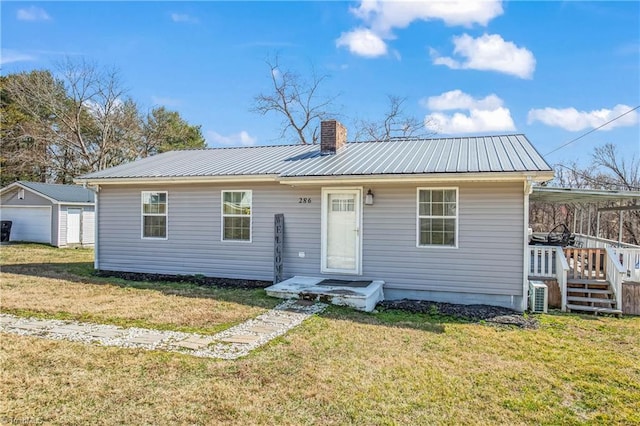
point(368, 199)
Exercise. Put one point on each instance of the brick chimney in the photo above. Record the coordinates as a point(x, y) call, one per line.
point(333, 136)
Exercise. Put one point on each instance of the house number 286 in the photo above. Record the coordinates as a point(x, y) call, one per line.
point(304, 200)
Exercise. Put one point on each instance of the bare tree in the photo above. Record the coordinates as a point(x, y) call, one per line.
point(395, 124)
point(81, 120)
point(78, 116)
point(297, 100)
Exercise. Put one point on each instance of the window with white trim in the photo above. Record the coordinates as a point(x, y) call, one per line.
point(437, 217)
point(236, 215)
point(154, 214)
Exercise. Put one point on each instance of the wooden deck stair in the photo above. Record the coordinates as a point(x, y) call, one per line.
point(587, 287)
point(591, 296)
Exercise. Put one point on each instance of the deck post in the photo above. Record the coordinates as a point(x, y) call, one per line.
point(620, 226)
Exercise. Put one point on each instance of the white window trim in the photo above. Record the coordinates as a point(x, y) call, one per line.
point(436, 188)
point(325, 191)
point(142, 215)
point(222, 216)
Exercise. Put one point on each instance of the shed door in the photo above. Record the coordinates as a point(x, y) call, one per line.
point(31, 224)
point(73, 225)
point(341, 231)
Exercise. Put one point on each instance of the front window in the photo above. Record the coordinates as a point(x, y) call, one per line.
point(154, 214)
point(437, 217)
point(236, 215)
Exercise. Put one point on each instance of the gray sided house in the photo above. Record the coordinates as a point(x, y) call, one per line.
point(437, 219)
point(60, 215)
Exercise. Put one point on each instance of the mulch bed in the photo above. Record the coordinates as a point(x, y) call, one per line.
point(191, 279)
point(490, 314)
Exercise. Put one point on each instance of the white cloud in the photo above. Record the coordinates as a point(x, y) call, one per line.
point(489, 53)
point(8, 56)
point(382, 17)
point(481, 115)
point(241, 138)
point(183, 17)
point(573, 120)
point(363, 42)
point(32, 13)
point(496, 120)
point(457, 99)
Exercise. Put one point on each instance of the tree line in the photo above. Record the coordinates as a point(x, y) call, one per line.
point(608, 170)
point(78, 118)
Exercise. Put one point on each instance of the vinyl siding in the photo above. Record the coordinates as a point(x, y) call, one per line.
point(87, 224)
point(10, 198)
point(488, 259)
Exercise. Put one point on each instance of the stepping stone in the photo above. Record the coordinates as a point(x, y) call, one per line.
point(190, 345)
point(104, 333)
point(194, 342)
point(146, 339)
point(28, 326)
point(64, 330)
point(263, 329)
point(240, 338)
point(279, 320)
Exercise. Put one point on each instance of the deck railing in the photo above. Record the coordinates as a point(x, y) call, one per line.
point(550, 262)
point(615, 274)
point(542, 261)
point(590, 241)
point(630, 260)
point(586, 263)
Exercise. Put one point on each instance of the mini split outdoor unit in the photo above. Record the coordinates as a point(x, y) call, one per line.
point(538, 296)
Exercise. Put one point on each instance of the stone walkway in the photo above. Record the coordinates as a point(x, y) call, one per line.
point(232, 343)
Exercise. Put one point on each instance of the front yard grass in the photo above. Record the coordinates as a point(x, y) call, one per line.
point(342, 367)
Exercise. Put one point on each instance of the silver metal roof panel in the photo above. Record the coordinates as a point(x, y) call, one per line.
point(506, 153)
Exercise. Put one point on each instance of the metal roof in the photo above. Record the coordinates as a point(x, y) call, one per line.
point(574, 195)
point(504, 153)
point(60, 193)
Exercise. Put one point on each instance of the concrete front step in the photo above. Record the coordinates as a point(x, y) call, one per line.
point(594, 309)
point(590, 300)
point(311, 288)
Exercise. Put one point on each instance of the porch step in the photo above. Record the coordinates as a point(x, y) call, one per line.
point(590, 300)
point(586, 282)
point(588, 290)
point(594, 309)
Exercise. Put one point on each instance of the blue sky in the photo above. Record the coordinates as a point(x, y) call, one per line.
point(551, 70)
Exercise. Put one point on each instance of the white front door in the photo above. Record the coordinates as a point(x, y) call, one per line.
point(341, 230)
point(73, 226)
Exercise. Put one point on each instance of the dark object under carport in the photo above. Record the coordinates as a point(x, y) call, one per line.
point(5, 230)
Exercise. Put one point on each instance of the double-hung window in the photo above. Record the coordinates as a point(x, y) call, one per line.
point(236, 215)
point(438, 217)
point(154, 214)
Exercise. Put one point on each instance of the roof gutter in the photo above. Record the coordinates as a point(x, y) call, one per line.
point(539, 176)
point(533, 176)
point(176, 179)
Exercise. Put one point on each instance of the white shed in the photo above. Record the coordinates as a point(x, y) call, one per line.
point(60, 215)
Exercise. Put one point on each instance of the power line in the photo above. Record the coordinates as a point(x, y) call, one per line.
point(592, 130)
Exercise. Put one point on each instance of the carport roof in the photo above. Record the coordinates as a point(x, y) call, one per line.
point(582, 196)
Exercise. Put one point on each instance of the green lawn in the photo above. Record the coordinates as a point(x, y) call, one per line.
point(342, 367)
